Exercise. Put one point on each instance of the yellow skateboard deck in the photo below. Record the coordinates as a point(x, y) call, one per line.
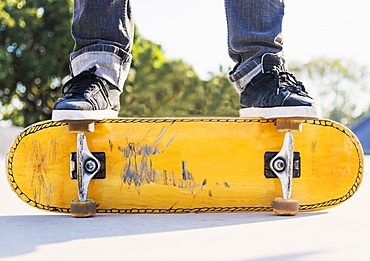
point(177, 165)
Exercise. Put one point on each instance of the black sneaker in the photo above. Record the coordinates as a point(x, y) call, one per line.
point(87, 97)
point(276, 93)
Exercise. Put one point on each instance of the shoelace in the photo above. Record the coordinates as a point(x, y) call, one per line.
point(289, 82)
point(82, 83)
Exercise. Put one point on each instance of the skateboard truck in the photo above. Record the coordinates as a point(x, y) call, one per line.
point(282, 166)
point(87, 166)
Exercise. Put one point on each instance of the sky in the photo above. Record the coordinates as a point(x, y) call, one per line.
point(195, 30)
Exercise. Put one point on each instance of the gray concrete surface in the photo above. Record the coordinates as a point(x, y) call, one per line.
point(341, 233)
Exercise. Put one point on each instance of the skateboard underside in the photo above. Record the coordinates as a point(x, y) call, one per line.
point(174, 165)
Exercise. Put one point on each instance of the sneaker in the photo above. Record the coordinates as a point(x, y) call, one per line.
point(87, 97)
point(276, 93)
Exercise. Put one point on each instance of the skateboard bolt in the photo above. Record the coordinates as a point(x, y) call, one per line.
point(279, 165)
point(91, 165)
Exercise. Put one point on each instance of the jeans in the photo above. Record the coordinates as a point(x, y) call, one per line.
point(103, 34)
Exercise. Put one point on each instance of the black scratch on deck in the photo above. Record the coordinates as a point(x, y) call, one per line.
point(110, 146)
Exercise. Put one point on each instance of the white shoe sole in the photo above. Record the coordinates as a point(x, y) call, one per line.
point(298, 112)
point(80, 115)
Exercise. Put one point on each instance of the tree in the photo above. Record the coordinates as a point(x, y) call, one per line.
point(338, 85)
point(35, 45)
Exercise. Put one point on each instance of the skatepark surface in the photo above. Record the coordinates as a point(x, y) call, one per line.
point(340, 233)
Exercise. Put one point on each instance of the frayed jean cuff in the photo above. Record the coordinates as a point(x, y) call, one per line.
point(242, 76)
point(113, 68)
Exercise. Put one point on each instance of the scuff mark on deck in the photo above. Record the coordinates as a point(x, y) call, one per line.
point(139, 170)
point(171, 140)
point(160, 135)
point(42, 188)
point(110, 146)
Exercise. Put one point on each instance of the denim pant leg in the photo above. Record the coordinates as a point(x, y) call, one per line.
point(103, 34)
point(254, 28)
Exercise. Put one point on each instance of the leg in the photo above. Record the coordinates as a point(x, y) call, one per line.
point(103, 34)
point(255, 43)
point(100, 62)
point(254, 28)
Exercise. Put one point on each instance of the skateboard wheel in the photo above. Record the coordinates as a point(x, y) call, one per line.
point(83, 208)
point(285, 207)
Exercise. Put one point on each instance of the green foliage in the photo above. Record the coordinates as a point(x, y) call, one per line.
point(35, 44)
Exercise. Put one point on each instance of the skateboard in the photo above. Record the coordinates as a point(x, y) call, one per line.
point(182, 165)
